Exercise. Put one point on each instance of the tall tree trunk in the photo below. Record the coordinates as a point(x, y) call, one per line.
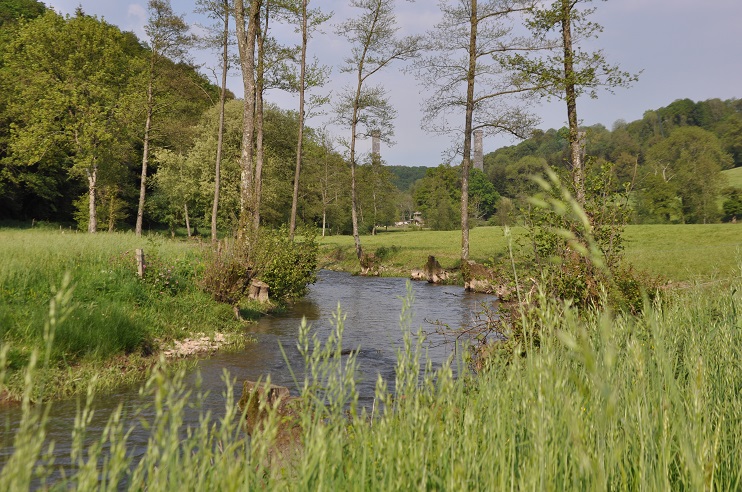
point(578, 166)
point(145, 149)
point(112, 208)
point(466, 161)
point(246, 45)
point(92, 186)
point(220, 136)
point(300, 141)
point(353, 137)
point(259, 89)
point(187, 219)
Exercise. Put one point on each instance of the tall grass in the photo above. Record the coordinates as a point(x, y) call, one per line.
point(113, 313)
point(608, 401)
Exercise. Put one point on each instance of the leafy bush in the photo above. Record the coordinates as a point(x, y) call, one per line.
point(287, 266)
point(228, 272)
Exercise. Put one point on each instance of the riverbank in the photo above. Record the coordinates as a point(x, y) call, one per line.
point(74, 302)
point(685, 254)
point(602, 400)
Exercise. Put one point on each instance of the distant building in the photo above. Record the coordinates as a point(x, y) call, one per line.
point(417, 218)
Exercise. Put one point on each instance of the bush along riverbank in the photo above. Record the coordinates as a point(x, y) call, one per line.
point(110, 325)
point(601, 400)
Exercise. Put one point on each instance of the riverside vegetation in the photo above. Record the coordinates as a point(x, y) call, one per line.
point(581, 395)
point(114, 324)
point(607, 400)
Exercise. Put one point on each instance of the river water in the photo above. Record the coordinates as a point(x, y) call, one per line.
point(372, 308)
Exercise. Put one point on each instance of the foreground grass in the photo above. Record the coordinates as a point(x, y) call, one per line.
point(607, 402)
point(679, 253)
point(111, 322)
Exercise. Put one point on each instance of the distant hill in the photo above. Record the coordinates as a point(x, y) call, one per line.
point(405, 176)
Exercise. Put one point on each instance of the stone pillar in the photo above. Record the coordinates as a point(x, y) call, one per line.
point(478, 150)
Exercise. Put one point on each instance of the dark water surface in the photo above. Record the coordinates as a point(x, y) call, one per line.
point(372, 307)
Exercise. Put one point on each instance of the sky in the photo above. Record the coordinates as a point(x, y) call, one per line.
point(680, 48)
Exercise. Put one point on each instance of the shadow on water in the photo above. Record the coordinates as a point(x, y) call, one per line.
point(372, 308)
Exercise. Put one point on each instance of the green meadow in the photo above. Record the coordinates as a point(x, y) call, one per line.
point(678, 253)
point(594, 400)
point(110, 322)
point(733, 177)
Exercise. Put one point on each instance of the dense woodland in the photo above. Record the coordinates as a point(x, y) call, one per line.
point(81, 101)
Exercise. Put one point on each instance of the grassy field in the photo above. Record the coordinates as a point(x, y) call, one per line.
point(675, 252)
point(109, 322)
point(605, 401)
point(734, 177)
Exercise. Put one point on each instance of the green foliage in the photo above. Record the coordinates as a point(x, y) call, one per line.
point(732, 204)
point(674, 166)
point(438, 197)
point(228, 272)
point(15, 10)
point(288, 267)
point(405, 176)
point(577, 253)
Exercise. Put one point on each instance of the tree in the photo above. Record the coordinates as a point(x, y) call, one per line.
point(364, 108)
point(69, 78)
point(688, 164)
point(567, 72)
point(438, 196)
point(467, 78)
point(220, 10)
point(13, 10)
point(168, 37)
point(316, 77)
point(247, 26)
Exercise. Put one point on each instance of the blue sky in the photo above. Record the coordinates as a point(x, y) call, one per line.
point(684, 49)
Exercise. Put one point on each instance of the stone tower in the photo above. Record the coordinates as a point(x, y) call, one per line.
point(376, 143)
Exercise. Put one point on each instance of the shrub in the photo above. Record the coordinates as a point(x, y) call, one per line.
point(227, 272)
point(287, 266)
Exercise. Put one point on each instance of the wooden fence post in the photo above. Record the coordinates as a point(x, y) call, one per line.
point(140, 263)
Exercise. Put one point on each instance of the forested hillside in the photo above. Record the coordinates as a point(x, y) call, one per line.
point(671, 160)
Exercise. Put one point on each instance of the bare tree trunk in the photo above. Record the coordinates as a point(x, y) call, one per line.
point(466, 161)
point(92, 186)
point(145, 149)
point(259, 89)
point(578, 166)
point(246, 44)
point(300, 141)
point(187, 219)
point(220, 136)
point(353, 137)
point(112, 209)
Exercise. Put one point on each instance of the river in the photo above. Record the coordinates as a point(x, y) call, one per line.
point(372, 308)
